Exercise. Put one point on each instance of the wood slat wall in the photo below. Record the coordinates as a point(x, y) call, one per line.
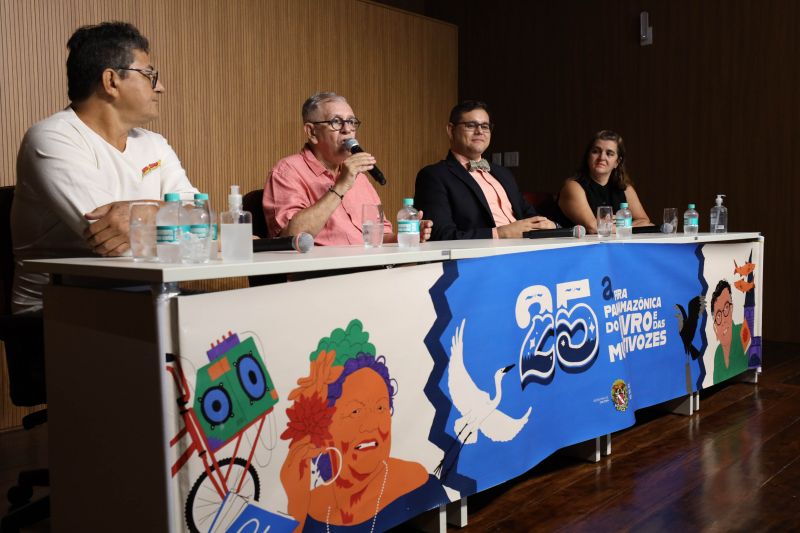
point(236, 74)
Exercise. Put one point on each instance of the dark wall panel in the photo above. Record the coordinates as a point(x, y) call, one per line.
point(712, 106)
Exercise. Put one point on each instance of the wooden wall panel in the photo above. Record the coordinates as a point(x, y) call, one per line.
point(236, 74)
point(10, 415)
point(710, 107)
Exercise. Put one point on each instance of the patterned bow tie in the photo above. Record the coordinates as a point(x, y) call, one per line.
point(479, 165)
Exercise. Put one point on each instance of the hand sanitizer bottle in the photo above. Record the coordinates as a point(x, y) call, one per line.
point(236, 227)
point(719, 217)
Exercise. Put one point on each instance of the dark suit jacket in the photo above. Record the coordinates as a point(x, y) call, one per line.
point(449, 196)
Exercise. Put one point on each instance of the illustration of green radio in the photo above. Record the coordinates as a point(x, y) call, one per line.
point(232, 391)
point(234, 397)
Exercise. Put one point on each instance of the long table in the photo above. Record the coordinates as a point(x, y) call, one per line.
point(361, 400)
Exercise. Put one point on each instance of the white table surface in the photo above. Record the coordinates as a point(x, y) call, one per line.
point(340, 257)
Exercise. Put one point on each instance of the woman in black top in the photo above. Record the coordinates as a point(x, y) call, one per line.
point(601, 179)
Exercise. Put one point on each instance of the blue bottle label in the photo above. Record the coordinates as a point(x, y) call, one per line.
point(166, 234)
point(201, 230)
point(408, 226)
point(626, 222)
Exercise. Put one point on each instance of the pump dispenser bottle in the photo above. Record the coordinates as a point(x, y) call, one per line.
point(236, 229)
point(719, 217)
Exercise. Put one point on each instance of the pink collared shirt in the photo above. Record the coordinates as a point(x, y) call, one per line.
point(495, 194)
point(299, 181)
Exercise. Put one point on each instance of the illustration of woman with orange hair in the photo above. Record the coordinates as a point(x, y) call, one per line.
point(338, 474)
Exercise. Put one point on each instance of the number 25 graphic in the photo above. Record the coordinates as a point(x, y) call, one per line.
point(571, 336)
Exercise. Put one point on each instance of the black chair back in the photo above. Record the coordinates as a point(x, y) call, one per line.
point(252, 202)
point(23, 336)
point(23, 340)
point(6, 250)
point(546, 204)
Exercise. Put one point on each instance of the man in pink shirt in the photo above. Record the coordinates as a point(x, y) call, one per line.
point(322, 189)
point(465, 196)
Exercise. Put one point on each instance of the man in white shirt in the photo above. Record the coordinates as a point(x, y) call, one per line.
point(78, 170)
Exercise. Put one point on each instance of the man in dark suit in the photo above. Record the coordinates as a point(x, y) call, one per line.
point(464, 195)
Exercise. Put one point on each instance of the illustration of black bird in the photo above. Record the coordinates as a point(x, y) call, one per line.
point(688, 324)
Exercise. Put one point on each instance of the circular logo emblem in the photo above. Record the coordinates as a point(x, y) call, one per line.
point(620, 394)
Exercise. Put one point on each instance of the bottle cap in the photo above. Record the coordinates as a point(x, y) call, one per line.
point(408, 201)
point(201, 196)
point(623, 205)
point(691, 206)
point(719, 199)
point(172, 197)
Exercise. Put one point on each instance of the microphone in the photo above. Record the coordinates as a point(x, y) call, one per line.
point(301, 242)
point(578, 231)
point(375, 172)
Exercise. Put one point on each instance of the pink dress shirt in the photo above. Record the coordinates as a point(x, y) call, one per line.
point(495, 194)
point(298, 182)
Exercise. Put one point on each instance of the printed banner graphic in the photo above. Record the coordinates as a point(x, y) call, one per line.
point(357, 405)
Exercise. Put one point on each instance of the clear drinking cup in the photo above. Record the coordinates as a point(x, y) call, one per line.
point(372, 225)
point(670, 225)
point(143, 231)
point(605, 221)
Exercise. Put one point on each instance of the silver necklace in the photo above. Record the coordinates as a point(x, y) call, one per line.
point(377, 504)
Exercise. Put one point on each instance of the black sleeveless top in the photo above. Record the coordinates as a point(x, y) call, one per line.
point(598, 195)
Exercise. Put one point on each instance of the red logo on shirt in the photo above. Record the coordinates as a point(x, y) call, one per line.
point(151, 166)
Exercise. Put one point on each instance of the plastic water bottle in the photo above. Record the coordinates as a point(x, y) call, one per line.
point(719, 217)
point(624, 222)
point(195, 242)
point(236, 229)
point(213, 243)
point(168, 229)
point(407, 225)
point(691, 221)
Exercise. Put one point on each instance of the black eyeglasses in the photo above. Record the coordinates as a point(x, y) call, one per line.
point(485, 127)
point(337, 123)
point(725, 311)
point(151, 74)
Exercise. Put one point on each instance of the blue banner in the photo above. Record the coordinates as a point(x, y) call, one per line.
point(537, 351)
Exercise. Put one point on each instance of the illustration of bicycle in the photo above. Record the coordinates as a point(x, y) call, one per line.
point(233, 393)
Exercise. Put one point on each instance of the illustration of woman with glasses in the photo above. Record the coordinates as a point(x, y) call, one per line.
point(730, 358)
